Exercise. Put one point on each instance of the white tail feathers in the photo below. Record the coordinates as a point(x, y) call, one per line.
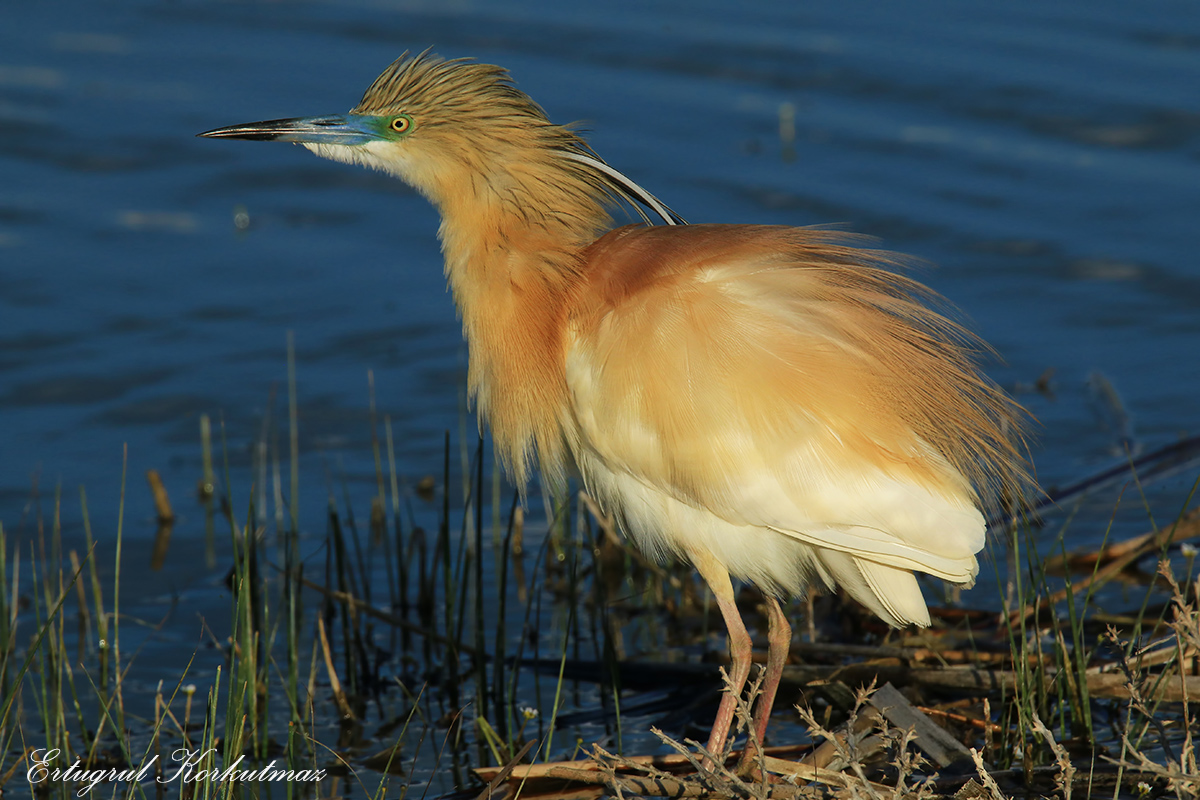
point(890, 592)
point(877, 546)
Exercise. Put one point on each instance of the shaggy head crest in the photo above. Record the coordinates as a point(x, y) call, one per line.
point(442, 92)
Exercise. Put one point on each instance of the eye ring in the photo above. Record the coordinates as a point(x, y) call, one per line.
point(401, 124)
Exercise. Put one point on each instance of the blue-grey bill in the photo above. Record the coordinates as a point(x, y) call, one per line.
point(333, 129)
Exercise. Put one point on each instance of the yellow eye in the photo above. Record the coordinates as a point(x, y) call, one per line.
point(401, 124)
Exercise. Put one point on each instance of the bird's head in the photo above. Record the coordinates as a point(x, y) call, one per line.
point(465, 137)
point(439, 125)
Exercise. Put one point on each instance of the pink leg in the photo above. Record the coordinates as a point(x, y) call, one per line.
point(717, 579)
point(779, 641)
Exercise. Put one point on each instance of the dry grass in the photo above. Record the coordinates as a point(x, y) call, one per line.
point(1047, 698)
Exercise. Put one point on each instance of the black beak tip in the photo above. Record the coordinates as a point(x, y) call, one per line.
point(252, 132)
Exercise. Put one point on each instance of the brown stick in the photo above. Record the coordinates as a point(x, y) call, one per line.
point(1171, 689)
point(1117, 557)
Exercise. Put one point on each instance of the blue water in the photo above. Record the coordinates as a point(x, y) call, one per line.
point(1042, 155)
point(1045, 156)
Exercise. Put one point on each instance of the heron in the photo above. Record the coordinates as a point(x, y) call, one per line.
point(781, 405)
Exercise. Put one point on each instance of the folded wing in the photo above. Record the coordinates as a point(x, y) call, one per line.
point(778, 380)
